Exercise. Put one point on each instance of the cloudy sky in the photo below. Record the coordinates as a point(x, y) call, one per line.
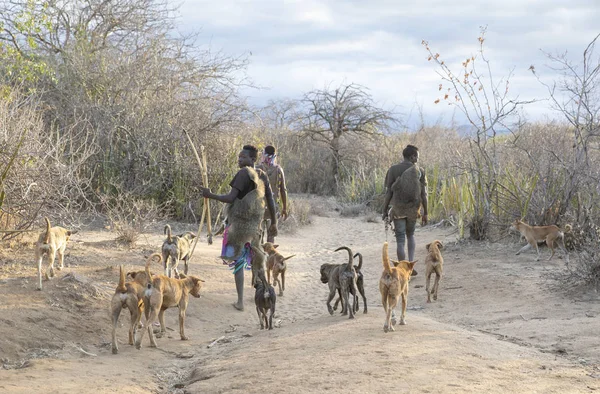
point(300, 45)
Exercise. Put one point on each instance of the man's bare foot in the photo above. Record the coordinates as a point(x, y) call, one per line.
point(238, 307)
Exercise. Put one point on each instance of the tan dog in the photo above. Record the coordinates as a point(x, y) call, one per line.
point(534, 234)
point(162, 293)
point(276, 263)
point(433, 264)
point(129, 295)
point(176, 248)
point(51, 242)
point(392, 285)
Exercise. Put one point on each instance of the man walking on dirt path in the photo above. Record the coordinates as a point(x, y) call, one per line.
point(406, 190)
point(249, 190)
point(277, 181)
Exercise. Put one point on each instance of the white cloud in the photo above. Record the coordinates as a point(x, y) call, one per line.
point(301, 45)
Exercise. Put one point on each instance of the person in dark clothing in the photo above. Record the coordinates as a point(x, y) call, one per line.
point(404, 214)
point(243, 184)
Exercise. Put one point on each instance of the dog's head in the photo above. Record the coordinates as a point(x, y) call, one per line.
point(435, 243)
point(516, 225)
point(187, 235)
point(326, 272)
point(270, 247)
point(196, 284)
point(137, 276)
point(68, 233)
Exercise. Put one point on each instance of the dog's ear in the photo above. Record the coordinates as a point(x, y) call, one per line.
point(411, 264)
point(133, 274)
point(440, 245)
point(427, 246)
point(182, 276)
point(275, 246)
point(395, 262)
point(71, 232)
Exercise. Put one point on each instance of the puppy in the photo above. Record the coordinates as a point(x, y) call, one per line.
point(359, 285)
point(162, 293)
point(433, 264)
point(51, 242)
point(276, 263)
point(341, 278)
point(392, 285)
point(128, 295)
point(177, 248)
point(264, 305)
point(534, 234)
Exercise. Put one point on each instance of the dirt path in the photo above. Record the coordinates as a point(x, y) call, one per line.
point(495, 328)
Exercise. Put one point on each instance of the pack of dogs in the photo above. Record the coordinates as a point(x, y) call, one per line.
point(145, 293)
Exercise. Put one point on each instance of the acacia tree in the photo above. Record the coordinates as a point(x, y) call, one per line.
point(489, 108)
point(348, 110)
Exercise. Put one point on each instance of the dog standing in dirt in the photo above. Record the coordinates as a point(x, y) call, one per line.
point(276, 263)
point(342, 278)
point(392, 285)
point(359, 285)
point(265, 305)
point(534, 234)
point(162, 293)
point(129, 295)
point(433, 264)
point(176, 248)
point(51, 242)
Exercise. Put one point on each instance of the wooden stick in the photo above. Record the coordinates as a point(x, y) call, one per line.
point(203, 184)
point(206, 200)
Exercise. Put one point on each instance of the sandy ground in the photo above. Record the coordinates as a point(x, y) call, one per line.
point(499, 324)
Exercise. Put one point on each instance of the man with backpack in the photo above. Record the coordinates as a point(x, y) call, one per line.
point(406, 190)
point(277, 181)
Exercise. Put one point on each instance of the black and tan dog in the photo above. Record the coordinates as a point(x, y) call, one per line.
point(434, 263)
point(360, 286)
point(342, 278)
point(176, 248)
point(276, 263)
point(51, 242)
point(265, 305)
point(162, 293)
point(129, 295)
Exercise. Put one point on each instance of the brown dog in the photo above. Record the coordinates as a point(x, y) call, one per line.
point(129, 295)
point(51, 242)
point(534, 234)
point(392, 285)
point(433, 264)
point(162, 293)
point(276, 263)
point(176, 248)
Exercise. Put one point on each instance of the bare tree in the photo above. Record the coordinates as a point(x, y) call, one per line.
point(489, 108)
point(577, 97)
point(346, 110)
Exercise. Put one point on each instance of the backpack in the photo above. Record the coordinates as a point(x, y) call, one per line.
point(406, 194)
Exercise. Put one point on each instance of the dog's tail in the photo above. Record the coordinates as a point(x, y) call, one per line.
point(148, 261)
point(568, 228)
point(386, 259)
point(47, 236)
point(289, 257)
point(349, 266)
point(359, 266)
point(167, 230)
point(121, 287)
